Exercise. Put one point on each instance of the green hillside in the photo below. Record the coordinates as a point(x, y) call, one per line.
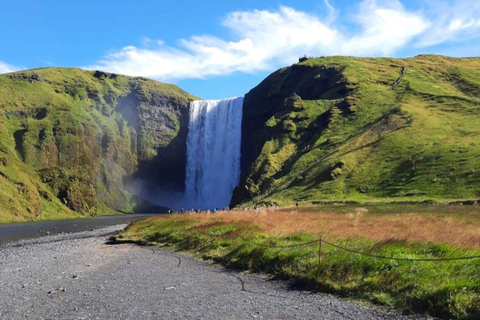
point(73, 142)
point(345, 134)
point(70, 138)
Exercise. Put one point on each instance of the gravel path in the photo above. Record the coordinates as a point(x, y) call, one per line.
point(79, 276)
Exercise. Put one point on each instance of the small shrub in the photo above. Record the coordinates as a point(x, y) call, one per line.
point(360, 211)
point(289, 126)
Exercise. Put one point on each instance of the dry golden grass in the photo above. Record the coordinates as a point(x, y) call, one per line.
point(447, 289)
point(461, 230)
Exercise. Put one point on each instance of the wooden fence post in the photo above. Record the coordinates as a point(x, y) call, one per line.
point(319, 249)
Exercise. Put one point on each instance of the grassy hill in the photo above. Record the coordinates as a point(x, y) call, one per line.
point(74, 142)
point(345, 134)
point(69, 139)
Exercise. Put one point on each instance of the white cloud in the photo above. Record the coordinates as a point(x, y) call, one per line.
point(268, 39)
point(264, 38)
point(329, 6)
point(385, 29)
point(6, 68)
point(452, 22)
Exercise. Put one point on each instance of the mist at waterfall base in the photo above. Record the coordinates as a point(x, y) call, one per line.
point(213, 158)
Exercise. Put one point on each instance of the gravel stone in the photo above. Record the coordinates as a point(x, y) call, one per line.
point(129, 282)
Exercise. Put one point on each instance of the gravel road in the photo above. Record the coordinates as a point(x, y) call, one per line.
point(79, 276)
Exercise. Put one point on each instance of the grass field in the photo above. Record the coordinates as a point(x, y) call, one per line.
point(259, 241)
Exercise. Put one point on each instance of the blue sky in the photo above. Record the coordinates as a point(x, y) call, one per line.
point(218, 49)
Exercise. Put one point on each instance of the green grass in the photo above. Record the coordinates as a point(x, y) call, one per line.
point(447, 289)
point(70, 137)
point(353, 138)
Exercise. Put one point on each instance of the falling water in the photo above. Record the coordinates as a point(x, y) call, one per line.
point(213, 152)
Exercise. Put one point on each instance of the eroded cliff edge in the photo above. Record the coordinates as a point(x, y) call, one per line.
point(338, 129)
point(72, 142)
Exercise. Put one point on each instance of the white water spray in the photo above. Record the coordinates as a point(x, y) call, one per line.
point(213, 152)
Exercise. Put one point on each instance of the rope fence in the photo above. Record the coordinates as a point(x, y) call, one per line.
point(321, 241)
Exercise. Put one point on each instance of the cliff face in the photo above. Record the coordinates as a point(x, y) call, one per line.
point(76, 143)
point(71, 139)
point(336, 128)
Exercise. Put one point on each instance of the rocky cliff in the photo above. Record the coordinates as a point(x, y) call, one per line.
point(70, 141)
point(358, 129)
point(80, 143)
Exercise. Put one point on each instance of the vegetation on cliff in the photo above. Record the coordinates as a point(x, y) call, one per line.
point(336, 129)
point(70, 138)
point(326, 129)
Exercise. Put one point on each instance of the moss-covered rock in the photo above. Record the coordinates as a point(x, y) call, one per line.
point(332, 128)
point(70, 139)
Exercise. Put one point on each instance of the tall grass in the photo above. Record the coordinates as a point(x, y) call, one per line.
point(248, 240)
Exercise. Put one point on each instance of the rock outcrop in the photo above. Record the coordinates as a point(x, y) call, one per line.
point(332, 129)
point(75, 139)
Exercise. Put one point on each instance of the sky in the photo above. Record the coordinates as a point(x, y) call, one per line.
point(219, 49)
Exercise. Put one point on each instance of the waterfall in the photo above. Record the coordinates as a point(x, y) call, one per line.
point(213, 152)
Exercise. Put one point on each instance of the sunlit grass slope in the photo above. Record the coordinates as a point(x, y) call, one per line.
point(68, 137)
point(259, 241)
point(352, 136)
